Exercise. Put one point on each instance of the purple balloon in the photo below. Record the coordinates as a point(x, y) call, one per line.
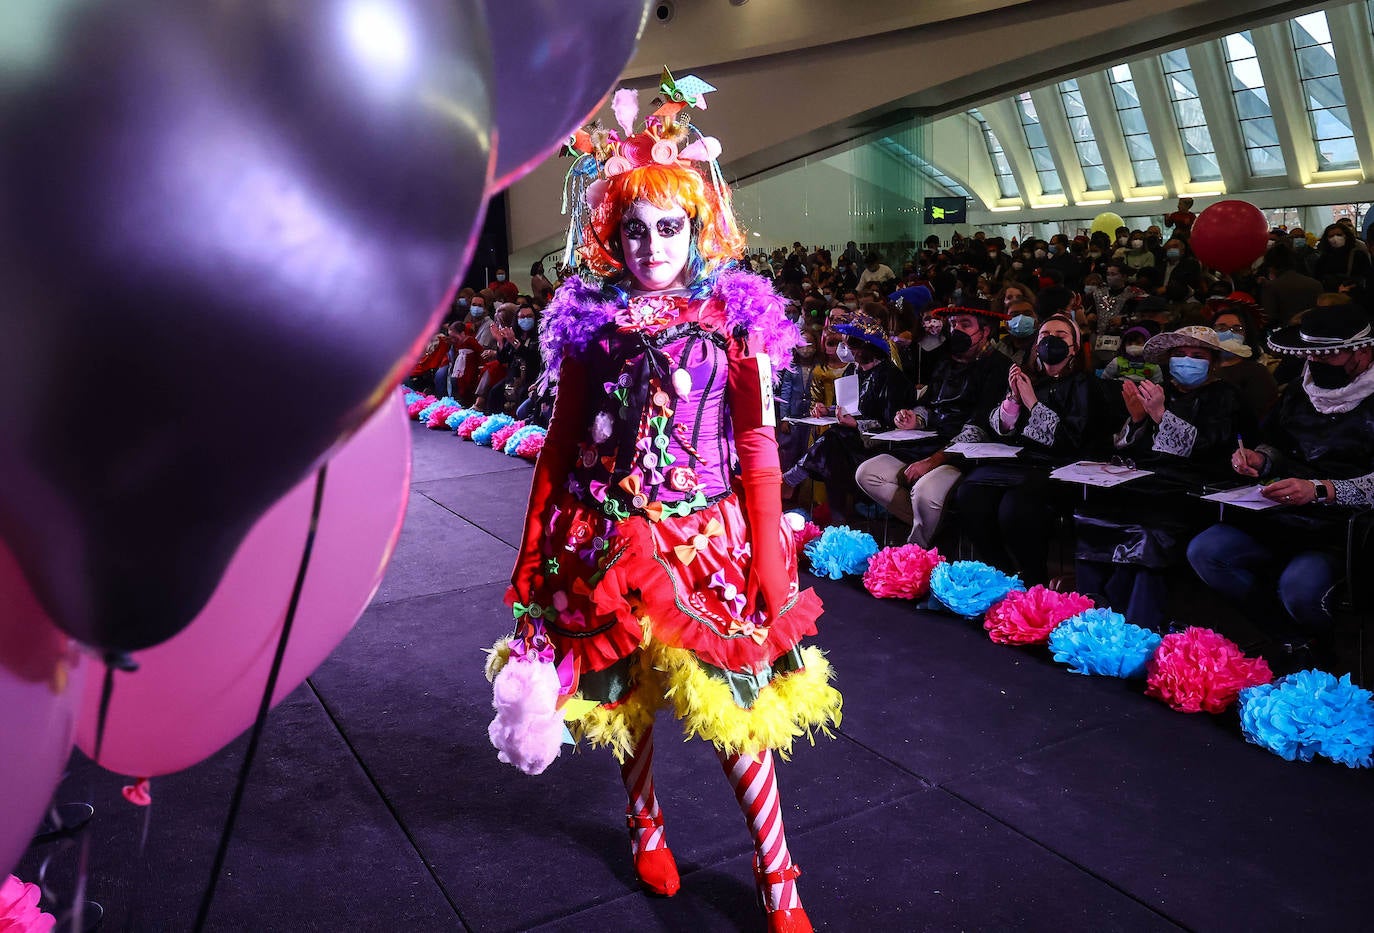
point(41, 677)
point(228, 228)
point(555, 61)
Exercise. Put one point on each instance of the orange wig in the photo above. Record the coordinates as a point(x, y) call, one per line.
point(716, 240)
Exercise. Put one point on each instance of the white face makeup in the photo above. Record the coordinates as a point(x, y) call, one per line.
point(656, 244)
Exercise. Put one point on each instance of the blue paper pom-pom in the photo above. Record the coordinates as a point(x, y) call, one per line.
point(411, 397)
point(482, 436)
point(513, 442)
point(456, 418)
point(1311, 713)
point(841, 550)
point(428, 410)
point(1099, 641)
point(969, 587)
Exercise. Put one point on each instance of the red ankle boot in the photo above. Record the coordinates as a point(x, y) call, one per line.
point(656, 868)
point(780, 920)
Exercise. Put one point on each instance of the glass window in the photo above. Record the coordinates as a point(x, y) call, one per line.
point(1262, 152)
point(1201, 155)
point(1084, 142)
point(1321, 87)
point(1006, 181)
point(1139, 146)
point(1039, 148)
point(905, 155)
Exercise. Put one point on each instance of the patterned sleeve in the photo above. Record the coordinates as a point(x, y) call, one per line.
point(1357, 492)
point(1042, 425)
point(971, 434)
point(1175, 436)
point(1129, 433)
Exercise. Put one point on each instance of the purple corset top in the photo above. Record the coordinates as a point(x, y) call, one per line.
point(658, 443)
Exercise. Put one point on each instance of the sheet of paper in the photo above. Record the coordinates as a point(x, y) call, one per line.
point(1092, 473)
point(847, 394)
point(909, 434)
point(1244, 497)
point(984, 451)
point(818, 422)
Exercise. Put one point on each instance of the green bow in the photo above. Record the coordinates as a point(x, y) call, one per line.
point(615, 510)
point(534, 611)
point(685, 507)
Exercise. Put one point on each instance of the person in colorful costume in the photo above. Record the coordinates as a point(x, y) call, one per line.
point(655, 560)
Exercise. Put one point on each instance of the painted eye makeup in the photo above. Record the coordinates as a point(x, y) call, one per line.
point(634, 228)
point(670, 226)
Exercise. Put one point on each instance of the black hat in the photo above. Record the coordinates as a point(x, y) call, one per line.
point(1324, 330)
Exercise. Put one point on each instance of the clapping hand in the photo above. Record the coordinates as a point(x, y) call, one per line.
point(1134, 403)
point(1019, 385)
point(1152, 398)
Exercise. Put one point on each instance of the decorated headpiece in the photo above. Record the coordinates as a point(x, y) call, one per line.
point(862, 327)
point(1324, 330)
point(601, 154)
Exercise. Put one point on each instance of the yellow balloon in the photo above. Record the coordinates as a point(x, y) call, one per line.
point(1107, 222)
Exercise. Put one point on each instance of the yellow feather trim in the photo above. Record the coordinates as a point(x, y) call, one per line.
point(792, 705)
point(497, 656)
point(620, 727)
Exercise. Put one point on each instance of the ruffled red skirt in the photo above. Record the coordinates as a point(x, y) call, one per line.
point(689, 576)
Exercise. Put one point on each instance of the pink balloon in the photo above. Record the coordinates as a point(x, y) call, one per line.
point(193, 694)
point(41, 677)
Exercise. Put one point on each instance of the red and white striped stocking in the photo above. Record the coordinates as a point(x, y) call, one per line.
point(638, 773)
point(756, 788)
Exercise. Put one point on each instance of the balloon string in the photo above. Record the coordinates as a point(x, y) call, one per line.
point(264, 707)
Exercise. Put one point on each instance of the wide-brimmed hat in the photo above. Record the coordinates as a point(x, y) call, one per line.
point(1158, 346)
point(975, 306)
point(863, 327)
point(1236, 301)
point(1324, 330)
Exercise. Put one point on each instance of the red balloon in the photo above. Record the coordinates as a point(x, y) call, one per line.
point(1230, 235)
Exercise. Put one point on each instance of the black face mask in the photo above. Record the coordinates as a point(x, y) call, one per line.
point(1326, 376)
point(1052, 350)
point(959, 342)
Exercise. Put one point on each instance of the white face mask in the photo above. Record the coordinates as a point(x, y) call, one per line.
point(1336, 241)
point(500, 278)
point(852, 305)
point(1137, 244)
point(844, 354)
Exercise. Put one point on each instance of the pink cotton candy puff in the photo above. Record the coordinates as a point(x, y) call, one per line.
point(498, 440)
point(1027, 618)
point(436, 417)
point(528, 728)
point(901, 572)
point(531, 446)
point(19, 910)
point(420, 404)
point(1199, 670)
point(470, 424)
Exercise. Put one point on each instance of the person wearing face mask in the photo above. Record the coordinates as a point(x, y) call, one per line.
point(503, 288)
point(1179, 266)
point(914, 480)
point(883, 391)
point(1315, 452)
point(1183, 431)
point(1056, 413)
point(876, 273)
point(1182, 219)
point(1137, 254)
point(793, 399)
point(1021, 328)
point(1252, 379)
point(995, 261)
point(1339, 256)
point(826, 369)
point(1131, 364)
point(518, 353)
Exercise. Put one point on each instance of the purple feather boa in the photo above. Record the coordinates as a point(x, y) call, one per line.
point(580, 310)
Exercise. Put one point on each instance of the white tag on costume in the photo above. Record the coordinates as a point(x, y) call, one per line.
point(770, 417)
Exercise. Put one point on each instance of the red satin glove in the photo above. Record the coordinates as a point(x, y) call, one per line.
point(760, 483)
point(551, 471)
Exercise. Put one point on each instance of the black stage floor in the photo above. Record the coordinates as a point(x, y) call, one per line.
point(972, 787)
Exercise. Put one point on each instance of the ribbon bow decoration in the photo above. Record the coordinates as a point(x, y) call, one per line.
point(534, 611)
point(685, 506)
point(730, 594)
point(688, 552)
point(535, 648)
point(634, 486)
point(753, 626)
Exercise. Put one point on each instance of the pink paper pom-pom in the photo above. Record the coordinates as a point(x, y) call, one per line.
point(1199, 670)
point(419, 405)
point(19, 910)
point(901, 572)
point(529, 448)
point(498, 440)
point(437, 416)
point(1027, 618)
point(806, 534)
point(470, 424)
point(528, 729)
